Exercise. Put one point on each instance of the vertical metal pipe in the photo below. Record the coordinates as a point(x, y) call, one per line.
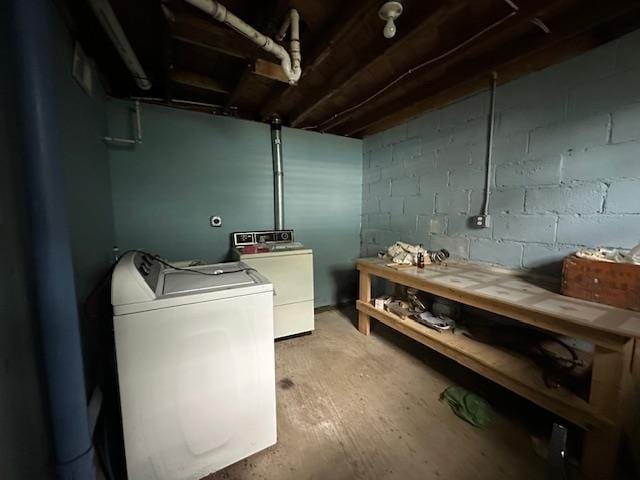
point(55, 295)
point(490, 135)
point(278, 172)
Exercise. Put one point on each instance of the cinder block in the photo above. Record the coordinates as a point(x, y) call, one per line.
point(459, 225)
point(436, 224)
point(380, 189)
point(424, 164)
point(507, 200)
point(458, 246)
point(600, 230)
point(627, 54)
point(434, 181)
point(525, 228)
point(577, 134)
point(453, 201)
point(419, 205)
point(380, 157)
point(611, 161)
point(371, 205)
point(510, 149)
point(404, 186)
point(424, 125)
point(372, 142)
point(371, 175)
point(545, 258)
point(392, 205)
point(393, 172)
point(466, 172)
point(394, 135)
point(624, 197)
point(605, 95)
point(539, 171)
point(626, 125)
point(523, 119)
point(404, 224)
point(406, 150)
point(470, 133)
point(465, 110)
point(379, 221)
point(568, 199)
point(496, 252)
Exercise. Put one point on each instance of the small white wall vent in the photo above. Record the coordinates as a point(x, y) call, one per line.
point(82, 70)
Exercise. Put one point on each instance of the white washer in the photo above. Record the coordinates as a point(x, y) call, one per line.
point(196, 366)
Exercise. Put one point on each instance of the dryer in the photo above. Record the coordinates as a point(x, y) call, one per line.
point(196, 370)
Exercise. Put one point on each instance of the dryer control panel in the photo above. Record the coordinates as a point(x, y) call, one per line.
point(242, 239)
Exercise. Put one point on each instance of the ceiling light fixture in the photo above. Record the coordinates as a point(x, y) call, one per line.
point(390, 11)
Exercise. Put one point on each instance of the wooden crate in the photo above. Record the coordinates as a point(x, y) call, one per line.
point(616, 284)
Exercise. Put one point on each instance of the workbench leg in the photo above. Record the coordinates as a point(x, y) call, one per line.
point(609, 383)
point(364, 321)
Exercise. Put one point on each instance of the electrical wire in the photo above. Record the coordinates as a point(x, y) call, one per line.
point(215, 273)
point(412, 70)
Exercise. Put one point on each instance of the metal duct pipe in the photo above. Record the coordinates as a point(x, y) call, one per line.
point(112, 27)
point(55, 296)
point(291, 64)
point(278, 171)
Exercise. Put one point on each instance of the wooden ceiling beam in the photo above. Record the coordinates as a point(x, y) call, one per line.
point(266, 17)
point(346, 75)
point(344, 22)
point(495, 40)
point(571, 34)
point(197, 80)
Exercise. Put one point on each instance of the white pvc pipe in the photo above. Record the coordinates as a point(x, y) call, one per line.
point(112, 27)
point(291, 64)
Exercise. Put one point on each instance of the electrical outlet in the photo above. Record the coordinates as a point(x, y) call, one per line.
point(481, 221)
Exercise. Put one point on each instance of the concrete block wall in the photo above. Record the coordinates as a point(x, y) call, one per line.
point(566, 167)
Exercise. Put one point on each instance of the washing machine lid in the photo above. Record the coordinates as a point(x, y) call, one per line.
point(209, 278)
point(139, 286)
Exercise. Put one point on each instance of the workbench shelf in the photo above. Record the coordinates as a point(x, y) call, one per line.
point(610, 330)
point(516, 373)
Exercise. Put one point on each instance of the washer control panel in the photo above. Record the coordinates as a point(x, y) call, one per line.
point(242, 239)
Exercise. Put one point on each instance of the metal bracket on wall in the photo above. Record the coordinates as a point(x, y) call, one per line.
point(137, 131)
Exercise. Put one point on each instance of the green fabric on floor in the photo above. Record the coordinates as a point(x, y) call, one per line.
point(468, 406)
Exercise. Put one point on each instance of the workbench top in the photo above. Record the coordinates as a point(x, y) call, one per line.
point(496, 289)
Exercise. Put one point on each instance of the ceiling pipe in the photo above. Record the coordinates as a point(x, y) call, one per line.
point(291, 63)
point(112, 27)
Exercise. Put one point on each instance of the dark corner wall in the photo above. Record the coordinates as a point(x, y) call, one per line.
point(83, 124)
point(191, 166)
point(24, 431)
point(566, 172)
point(24, 443)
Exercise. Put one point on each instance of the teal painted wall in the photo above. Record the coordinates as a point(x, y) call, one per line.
point(83, 124)
point(191, 166)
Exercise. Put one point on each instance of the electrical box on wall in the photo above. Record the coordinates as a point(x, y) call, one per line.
point(481, 221)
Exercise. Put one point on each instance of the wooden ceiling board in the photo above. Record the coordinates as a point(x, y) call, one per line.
point(346, 60)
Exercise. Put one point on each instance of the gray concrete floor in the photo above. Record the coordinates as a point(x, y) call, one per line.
point(356, 407)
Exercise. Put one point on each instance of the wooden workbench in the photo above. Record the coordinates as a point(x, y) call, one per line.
point(611, 331)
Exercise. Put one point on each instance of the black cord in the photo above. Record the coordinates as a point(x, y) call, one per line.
point(188, 270)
